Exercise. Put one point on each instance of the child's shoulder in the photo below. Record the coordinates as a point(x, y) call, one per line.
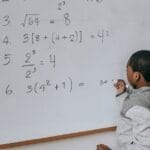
point(139, 113)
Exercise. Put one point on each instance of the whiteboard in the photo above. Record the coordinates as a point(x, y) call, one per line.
point(58, 60)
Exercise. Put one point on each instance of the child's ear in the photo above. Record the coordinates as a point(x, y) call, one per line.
point(137, 76)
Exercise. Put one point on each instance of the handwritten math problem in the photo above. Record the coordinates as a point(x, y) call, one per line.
point(39, 87)
point(34, 40)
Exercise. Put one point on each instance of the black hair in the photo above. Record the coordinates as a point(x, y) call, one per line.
point(140, 62)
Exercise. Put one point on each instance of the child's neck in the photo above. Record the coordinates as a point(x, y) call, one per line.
point(142, 84)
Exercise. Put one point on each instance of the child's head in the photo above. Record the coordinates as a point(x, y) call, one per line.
point(138, 69)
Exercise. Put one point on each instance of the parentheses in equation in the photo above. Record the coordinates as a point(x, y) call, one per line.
point(35, 87)
point(80, 35)
point(71, 84)
point(76, 35)
point(53, 37)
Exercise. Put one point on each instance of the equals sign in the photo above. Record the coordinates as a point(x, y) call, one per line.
point(81, 84)
point(41, 62)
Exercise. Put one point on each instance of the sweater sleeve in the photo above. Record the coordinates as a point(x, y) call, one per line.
point(140, 121)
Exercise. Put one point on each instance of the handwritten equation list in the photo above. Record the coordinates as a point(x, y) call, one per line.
point(36, 43)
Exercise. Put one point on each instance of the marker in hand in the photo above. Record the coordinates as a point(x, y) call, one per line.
point(120, 86)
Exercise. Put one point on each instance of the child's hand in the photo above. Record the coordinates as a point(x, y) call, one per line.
point(102, 147)
point(120, 86)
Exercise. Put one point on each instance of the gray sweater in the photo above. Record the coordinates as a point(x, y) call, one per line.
point(133, 127)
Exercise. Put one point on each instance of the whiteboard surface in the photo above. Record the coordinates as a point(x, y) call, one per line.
point(57, 62)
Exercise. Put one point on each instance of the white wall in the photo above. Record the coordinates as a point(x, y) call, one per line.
point(80, 143)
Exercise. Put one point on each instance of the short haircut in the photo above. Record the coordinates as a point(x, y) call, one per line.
point(140, 62)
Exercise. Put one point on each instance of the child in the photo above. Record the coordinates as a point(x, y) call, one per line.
point(133, 128)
